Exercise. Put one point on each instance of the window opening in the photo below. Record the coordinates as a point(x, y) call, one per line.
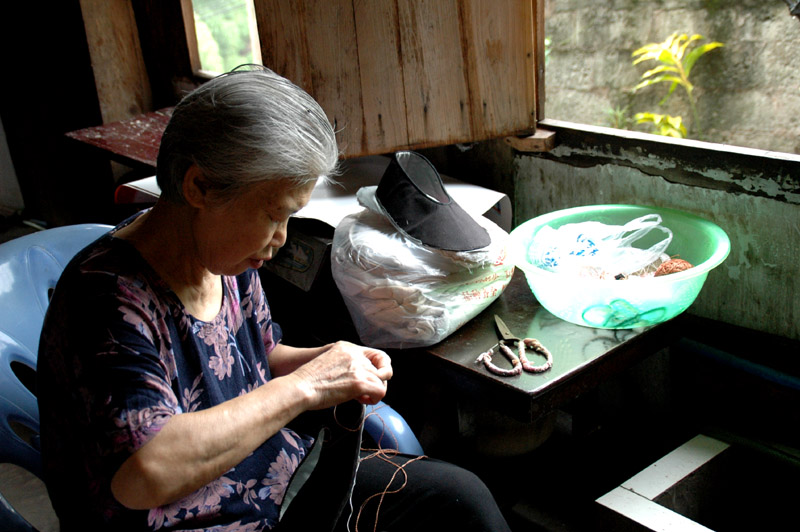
point(741, 87)
point(225, 33)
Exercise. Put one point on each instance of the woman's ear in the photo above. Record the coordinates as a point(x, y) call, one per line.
point(195, 189)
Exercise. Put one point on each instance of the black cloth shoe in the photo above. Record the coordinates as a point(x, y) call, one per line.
point(412, 195)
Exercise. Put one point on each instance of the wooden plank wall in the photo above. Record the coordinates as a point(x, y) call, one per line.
point(396, 74)
point(123, 87)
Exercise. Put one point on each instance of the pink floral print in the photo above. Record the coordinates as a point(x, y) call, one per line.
point(221, 364)
point(205, 502)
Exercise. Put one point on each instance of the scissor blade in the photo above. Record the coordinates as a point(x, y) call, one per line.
point(503, 329)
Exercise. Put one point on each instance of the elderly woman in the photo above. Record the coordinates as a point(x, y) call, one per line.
point(165, 391)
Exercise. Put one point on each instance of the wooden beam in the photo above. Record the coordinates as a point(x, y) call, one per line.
point(541, 141)
point(123, 87)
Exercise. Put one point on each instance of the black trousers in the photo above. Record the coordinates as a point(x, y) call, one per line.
point(406, 494)
point(360, 491)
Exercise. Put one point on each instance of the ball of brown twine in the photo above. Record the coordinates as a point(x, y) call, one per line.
point(672, 266)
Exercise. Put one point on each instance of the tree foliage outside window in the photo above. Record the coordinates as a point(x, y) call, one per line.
point(225, 31)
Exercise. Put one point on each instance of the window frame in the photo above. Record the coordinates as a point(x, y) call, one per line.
point(733, 169)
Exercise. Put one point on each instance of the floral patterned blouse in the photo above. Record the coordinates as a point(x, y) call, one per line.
point(119, 357)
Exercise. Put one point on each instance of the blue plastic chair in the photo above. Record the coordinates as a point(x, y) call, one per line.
point(390, 430)
point(29, 269)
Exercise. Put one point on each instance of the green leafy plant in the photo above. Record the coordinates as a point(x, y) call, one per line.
point(618, 117)
point(677, 56)
point(669, 126)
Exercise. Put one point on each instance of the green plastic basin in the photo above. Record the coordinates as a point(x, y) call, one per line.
point(630, 303)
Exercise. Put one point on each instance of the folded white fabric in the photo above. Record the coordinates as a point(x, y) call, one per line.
point(401, 293)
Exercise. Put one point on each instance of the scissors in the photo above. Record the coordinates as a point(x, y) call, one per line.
point(519, 361)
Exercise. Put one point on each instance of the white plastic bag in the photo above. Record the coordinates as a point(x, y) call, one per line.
point(604, 250)
point(403, 294)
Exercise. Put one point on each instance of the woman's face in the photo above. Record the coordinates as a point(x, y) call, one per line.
point(246, 231)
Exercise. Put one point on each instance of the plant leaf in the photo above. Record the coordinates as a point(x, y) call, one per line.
point(646, 48)
point(659, 79)
point(669, 93)
point(650, 51)
point(667, 57)
point(665, 125)
point(675, 45)
point(695, 54)
point(659, 69)
point(644, 117)
point(685, 45)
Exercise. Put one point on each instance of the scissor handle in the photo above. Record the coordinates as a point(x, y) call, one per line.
point(486, 358)
point(538, 348)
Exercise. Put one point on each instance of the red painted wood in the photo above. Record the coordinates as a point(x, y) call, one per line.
point(133, 142)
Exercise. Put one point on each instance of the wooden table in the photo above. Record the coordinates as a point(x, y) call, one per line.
point(583, 357)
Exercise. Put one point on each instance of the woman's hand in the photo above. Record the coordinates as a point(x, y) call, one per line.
point(344, 371)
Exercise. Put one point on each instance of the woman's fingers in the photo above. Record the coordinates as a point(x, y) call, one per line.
point(348, 371)
point(381, 362)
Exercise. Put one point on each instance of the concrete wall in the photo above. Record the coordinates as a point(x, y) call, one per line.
point(748, 92)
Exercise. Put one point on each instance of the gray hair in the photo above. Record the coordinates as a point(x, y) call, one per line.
point(243, 128)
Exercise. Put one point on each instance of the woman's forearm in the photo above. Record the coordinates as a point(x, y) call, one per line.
point(195, 448)
point(284, 359)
